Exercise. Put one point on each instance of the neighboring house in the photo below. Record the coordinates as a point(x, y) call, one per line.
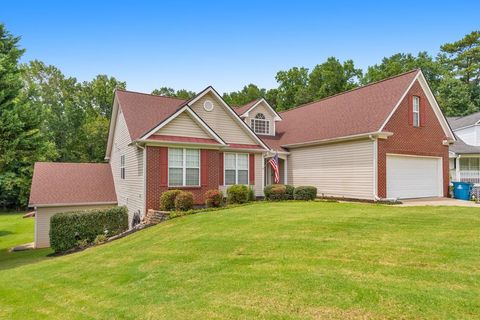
point(465, 152)
point(388, 139)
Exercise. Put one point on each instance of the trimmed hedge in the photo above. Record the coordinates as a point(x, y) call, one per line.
point(184, 201)
point(305, 193)
point(238, 193)
point(70, 230)
point(213, 198)
point(167, 200)
point(279, 192)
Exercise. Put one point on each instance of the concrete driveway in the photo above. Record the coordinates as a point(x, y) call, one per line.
point(438, 202)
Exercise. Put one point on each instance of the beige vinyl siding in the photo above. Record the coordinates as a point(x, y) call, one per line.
point(258, 187)
point(129, 190)
point(222, 122)
point(340, 170)
point(261, 108)
point(42, 221)
point(183, 126)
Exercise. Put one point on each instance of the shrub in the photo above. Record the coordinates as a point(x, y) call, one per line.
point(305, 193)
point(251, 194)
point(72, 229)
point(238, 193)
point(167, 200)
point(289, 191)
point(184, 201)
point(213, 198)
point(278, 192)
point(101, 238)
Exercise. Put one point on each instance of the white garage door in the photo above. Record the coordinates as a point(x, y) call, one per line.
point(414, 177)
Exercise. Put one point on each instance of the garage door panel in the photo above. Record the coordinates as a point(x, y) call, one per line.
point(413, 177)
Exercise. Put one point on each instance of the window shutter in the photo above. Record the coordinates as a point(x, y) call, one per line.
point(251, 168)
point(220, 168)
point(422, 112)
point(410, 110)
point(203, 167)
point(163, 166)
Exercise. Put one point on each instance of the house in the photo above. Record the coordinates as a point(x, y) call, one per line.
point(385, 140)
point(465, 152)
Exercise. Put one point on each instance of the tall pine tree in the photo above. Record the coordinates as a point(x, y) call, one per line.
point(21, 140)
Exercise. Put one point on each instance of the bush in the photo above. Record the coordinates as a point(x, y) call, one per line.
point(238, 193)
point(101, 238)
point(279, 192)
point(73, 229)
point(305, 193)
point(289, 191)
point(251, 194)
point(167, 200)
point(213, 198)
point(184, 201)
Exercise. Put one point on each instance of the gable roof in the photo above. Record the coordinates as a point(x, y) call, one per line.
point(243, 111)
point(460, 147)
point(60, 183)
point(353, 113)
point(144, 111)
point(464, 121)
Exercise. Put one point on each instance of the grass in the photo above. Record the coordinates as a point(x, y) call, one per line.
point(292, 260)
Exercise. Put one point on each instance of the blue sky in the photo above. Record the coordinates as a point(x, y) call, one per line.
point(227, 44)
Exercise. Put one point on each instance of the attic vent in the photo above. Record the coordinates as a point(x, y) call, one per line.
point(208, 105)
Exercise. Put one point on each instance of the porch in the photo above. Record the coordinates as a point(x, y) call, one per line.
point(269, 173)
point(465, 169)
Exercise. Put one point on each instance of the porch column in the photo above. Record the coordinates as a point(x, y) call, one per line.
point(457, 168)
point(285, 171)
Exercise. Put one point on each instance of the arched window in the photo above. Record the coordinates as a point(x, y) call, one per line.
point(260, 125)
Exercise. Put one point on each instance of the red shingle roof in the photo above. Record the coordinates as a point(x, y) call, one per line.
point(357, 111)
point(71, 183)
point(242, 109)
point(144, 111)
point(182, 139)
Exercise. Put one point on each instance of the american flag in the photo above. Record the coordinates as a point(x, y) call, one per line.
point(274, 163)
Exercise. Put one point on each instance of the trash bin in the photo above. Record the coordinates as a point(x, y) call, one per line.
point(461, 190)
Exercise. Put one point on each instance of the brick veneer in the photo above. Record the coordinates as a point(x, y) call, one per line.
point(422, 141)
point(155, 186)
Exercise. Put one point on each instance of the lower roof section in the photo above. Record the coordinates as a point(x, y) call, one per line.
point(60, 183)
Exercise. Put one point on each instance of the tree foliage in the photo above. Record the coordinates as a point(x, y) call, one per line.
point(170, 92)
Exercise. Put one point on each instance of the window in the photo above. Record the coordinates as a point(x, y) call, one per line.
point(469, 164)
point(183, 167)
point(122, 167)
point(260, 124)
point(416, 111)
point(236, 168)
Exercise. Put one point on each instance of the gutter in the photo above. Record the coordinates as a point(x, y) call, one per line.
point(376, 134)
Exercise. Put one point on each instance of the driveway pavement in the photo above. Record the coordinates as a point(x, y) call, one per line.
point(438, 202)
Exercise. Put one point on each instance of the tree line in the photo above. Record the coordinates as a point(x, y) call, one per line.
point(48, 116)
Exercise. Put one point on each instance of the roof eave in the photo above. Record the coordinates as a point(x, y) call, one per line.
point(368, 135)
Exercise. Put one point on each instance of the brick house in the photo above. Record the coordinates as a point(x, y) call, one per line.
point(388, 139)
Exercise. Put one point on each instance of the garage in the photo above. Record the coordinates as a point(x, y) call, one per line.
point(414, 177)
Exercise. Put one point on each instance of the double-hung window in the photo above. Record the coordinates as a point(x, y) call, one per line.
point(416, 111)
point(183, 167)
point(122, 167)
point(260, 124)
point(236, 168)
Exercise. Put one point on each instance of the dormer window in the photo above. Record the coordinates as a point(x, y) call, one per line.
point(260, 124)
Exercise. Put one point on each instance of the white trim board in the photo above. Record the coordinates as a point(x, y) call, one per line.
point(277, 116)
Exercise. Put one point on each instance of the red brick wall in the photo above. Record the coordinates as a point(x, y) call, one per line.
point(425, 140)
point(154, 184)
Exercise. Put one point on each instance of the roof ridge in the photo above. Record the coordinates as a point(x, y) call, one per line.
point(149, 94)
point(351, 90)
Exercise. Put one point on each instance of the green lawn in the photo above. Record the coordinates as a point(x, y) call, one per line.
point(290, 260)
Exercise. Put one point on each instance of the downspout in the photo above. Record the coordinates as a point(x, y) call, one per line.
point(144, 174)
point(375, 170)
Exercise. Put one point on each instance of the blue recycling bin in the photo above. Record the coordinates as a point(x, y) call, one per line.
point(461, 190)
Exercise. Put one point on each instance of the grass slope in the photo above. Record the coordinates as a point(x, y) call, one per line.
point(267, 260)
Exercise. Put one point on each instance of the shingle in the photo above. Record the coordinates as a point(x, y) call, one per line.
point(69, 183)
